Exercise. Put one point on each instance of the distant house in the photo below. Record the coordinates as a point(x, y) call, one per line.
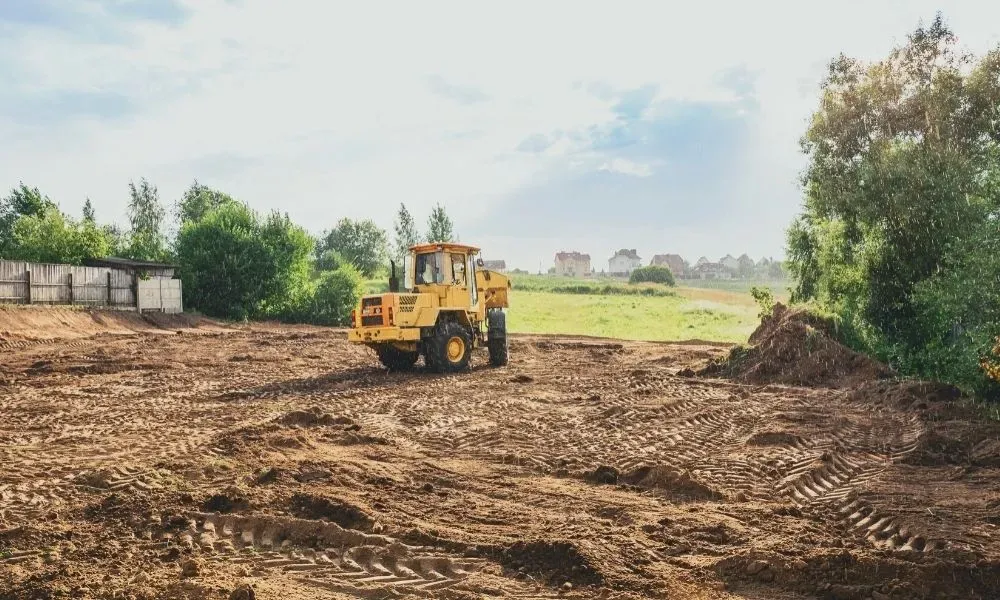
point(499, 266)
point(572, 264)
point(730, 263)
point(624, 262)
point(745, 266)
point(710, 270)
point(677, 265)
point(702, 261)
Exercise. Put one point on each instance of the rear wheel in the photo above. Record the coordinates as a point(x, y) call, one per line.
point(450, 349)
point(496, 341)
point(395, 359)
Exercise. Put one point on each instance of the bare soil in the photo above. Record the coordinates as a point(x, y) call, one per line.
point(185, 459)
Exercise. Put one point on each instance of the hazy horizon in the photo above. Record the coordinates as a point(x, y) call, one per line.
point(541, 128)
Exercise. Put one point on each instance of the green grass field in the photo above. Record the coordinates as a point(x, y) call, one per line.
point(713, 310)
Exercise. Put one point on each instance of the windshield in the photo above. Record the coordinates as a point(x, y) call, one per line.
point(428, 269)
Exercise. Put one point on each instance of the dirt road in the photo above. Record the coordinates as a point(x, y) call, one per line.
point(138, 462)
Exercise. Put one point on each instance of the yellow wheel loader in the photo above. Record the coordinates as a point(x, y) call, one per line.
point(447, 306)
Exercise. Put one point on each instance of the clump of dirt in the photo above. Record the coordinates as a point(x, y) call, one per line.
point(603, 475)
point(225, 503)
point(678, 485)
point(554, 562)
point(308, 506)
point(314, 417)
point(774, 438)
point(796, 347)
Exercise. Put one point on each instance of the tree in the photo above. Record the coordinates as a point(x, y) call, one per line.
point(439, 226)
point(337, 292)
point(52, 237)
point(362, 243)
point(236, 265)
point(903, 158)
point(197, 201)
point(21, 202)
point(146, 214)
point(406, 232)
point(652, 274)
point(88, 211)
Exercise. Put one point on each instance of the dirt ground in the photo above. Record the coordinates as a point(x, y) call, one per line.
point(181, 459)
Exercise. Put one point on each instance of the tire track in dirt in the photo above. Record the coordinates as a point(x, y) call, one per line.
point(323, 554)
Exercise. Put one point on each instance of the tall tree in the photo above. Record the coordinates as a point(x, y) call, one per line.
point(903, 161)
point(88, 211)
point(362, 243)
point(197, 201)
point(21, 202)
point(406, 232)
point(146, 215)
point(52, 237)
point(439, 226)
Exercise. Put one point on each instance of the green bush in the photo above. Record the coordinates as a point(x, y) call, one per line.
point(765, 300)
point(652, 274)
point(336, 294)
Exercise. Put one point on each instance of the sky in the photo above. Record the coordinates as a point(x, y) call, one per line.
point(540, 126)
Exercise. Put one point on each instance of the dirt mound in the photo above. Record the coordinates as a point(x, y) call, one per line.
point(555, 562)
point(796, 347)
point(307, 506)
point(43, 322)
point(678, 485)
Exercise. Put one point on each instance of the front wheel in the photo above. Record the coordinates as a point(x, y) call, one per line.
point(450, 349)
point(395, 359)
point(497, 340)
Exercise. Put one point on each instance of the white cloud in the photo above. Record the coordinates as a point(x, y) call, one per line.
point(346, 109)
point(627, 167)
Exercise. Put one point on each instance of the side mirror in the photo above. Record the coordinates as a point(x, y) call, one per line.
point(479, 262)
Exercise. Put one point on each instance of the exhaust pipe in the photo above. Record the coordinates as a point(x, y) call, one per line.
point(393, 280)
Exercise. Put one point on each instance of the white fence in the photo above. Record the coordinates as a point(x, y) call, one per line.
point(40, 283)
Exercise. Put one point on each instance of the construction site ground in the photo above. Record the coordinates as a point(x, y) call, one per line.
point(179, 458)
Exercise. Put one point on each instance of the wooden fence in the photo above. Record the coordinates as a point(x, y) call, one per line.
point(38, 283)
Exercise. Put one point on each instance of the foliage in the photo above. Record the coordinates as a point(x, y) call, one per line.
point(362, 243)
point(406, 233)
point(236, 265)
point(903, 155)
point(88, 211)
point(337, 292)
point(21, 202)
point(764, 299)
point(330, 260)
point(569, 285)
point(52, 237)
point(197, 201)
point(652, 274)
point(439, 226)
point(146, 214)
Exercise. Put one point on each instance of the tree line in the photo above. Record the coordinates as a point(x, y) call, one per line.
point(899, 233)
point(235, 262)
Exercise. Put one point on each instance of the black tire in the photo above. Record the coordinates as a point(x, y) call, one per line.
point(496, 341)
point(395, 359)
point(450, 350)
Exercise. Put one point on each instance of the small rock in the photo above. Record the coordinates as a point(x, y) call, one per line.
point(428, 487)
point(741, 496)
point(756, 566)
point(141, 577)
point(190, 568)
point(244, 591)
point(566, 587)
point(877, 595)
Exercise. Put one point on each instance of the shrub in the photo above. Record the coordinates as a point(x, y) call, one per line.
point(336, 294)
point(764, 299)
point(652, 274)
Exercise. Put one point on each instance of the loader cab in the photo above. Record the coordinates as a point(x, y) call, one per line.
point(446, 270)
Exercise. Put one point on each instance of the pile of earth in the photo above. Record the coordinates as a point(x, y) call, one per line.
point(796, 347)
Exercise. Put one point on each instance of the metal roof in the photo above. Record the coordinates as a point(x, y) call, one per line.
point(444, 246)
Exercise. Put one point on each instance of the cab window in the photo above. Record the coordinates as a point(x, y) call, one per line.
point(427, 269)
point(458, 269)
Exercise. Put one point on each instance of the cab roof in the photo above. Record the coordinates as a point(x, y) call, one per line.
point(444, 246)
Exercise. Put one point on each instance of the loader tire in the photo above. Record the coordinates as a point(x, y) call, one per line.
point(496, 341)
point(395, 359)
point(450, 350)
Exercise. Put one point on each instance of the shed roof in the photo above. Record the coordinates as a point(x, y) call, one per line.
point(127, 263)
